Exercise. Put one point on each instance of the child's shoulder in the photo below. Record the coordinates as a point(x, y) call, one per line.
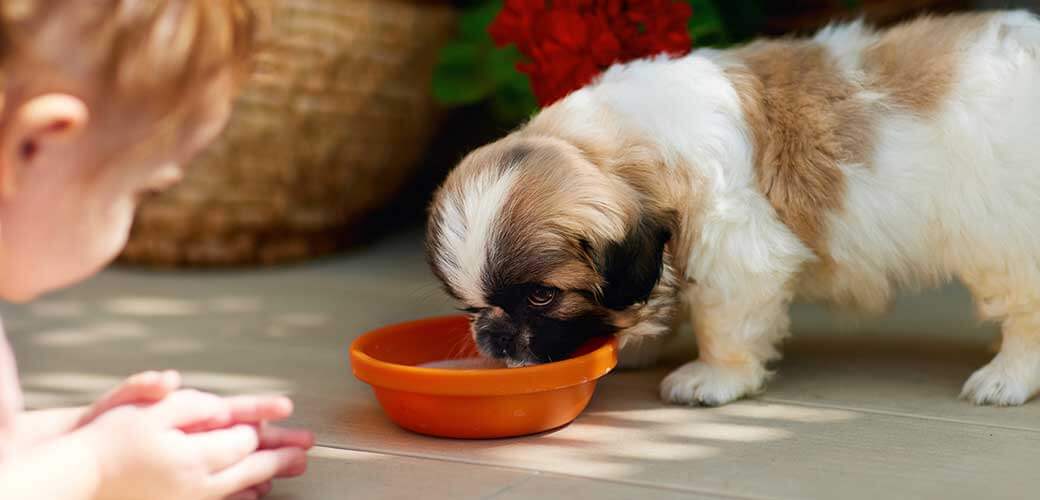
point(10, 394)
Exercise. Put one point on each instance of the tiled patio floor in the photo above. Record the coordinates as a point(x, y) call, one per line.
point(861, 409)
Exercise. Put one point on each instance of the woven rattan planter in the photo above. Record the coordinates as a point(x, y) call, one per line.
point(331, 125)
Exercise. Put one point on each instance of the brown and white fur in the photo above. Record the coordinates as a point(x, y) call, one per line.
point(725, 184)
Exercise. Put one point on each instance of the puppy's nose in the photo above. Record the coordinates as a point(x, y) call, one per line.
point(502, 342)
point(497, 336)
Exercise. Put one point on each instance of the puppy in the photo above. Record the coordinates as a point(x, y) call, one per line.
point(724, 184)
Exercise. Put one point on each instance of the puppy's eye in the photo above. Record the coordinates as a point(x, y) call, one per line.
point(542, 296)
point(470, 310)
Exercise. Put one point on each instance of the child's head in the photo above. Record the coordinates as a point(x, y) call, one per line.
point(102, 100)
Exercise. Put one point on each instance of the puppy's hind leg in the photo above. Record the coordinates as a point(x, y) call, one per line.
point(1013, 376)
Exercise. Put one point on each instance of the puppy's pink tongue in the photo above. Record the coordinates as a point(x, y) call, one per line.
point(465, 364)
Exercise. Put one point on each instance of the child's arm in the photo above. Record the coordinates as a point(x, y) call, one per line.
point(33, 427)
point(36, 426)
point(10, 398)
point(34, 473)
point(132, 449)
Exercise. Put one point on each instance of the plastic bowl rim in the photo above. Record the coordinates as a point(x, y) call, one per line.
point(493, 382)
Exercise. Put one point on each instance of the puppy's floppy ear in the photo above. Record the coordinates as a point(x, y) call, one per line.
point(632, 267)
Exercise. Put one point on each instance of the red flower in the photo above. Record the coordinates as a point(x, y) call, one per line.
point(660, 27)
point(516, 18)
point(567, 43)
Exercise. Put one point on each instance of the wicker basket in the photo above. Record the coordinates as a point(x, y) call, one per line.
point(329, 128)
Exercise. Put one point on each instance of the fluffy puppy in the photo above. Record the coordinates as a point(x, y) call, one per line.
point(724, 184)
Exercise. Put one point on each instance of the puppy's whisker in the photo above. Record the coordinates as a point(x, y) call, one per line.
point(460, 349)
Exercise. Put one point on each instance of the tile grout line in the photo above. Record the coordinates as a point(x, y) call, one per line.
point(509, 487)
point(641, 484)
point(890, 413)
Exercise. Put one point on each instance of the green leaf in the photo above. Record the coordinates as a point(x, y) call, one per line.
point(471, 67)
point(460, 78)
point(474, 22)
point(514, 102)
point(706, 25)
point(502, 62)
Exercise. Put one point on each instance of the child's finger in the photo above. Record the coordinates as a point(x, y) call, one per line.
point(223, 448)
point(272, 437)
point(256, 409)
point(146, 387)
point(258, 468)
point(263, 488)
point(192, 409)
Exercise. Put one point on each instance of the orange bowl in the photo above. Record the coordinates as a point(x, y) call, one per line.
point(472, 403)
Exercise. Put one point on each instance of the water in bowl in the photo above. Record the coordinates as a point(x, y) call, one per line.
point(465, 364)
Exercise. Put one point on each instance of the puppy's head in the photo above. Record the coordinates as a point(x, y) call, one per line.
point(546, 250)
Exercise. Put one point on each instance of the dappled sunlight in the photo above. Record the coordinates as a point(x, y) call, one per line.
point(789, 413)
point(230, 383)
point(67, 388)
point(37, 400)
point(657, 450)
point(706, 430)
point(639, 444)
point(71, 382)
point(297, 323)
point(152, 306)
point(86, 335)
point(626, 434)
point(649, 439)
point(302, 320)
point(577, 461)
point(663, 414)
point(149, 306)
point(727, 432)
point(235, 304)
point(174, 345)
point(585, 433)
point(57, 308)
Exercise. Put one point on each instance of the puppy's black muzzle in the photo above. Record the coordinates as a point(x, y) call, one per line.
point(497, 337)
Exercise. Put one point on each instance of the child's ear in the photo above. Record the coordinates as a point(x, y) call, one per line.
point(35, 126)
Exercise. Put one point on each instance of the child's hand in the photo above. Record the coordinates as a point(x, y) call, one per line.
point(34, 427)
point(147, 449)
point(143, 388)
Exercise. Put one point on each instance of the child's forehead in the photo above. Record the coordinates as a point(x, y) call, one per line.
point(132, 45)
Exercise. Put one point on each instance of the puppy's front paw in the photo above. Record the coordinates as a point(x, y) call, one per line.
point(703, 384)
point(1005, 381)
